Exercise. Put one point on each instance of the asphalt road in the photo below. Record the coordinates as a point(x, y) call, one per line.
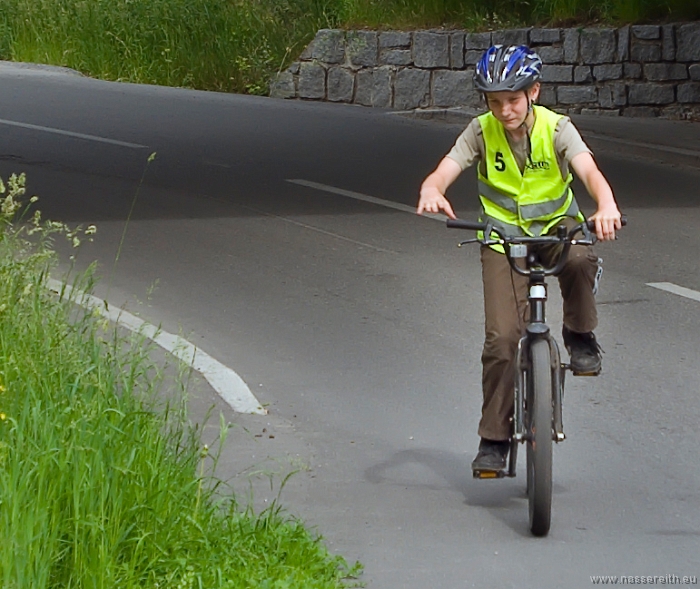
point(359, 326)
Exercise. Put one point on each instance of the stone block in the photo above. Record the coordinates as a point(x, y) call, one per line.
point(395, 39)
point(647, 32)
point(451, 88)
point(683, 112)
point(548, 96)
point(551, 54)
point(480, 41)
point(623, 44)
point(474, 98)
point(694, 71)
point(312, 81)
point(650, 94)
point(511, 37)
point(598, 46)
point(558, 73)
point(645, 52)
point(545, 36)
point(612, 95)
point(582, 74)
point(341, 84)
point(668, 43)
point(609, 71)
point(661, 72)
point(381, 87)
point(689, 93)
point(572, 41)
point(599, 112)
point(457, 51)
point(632, 70)
point(472, 56)
point(395, 57)
point(640, 111)
point(373, 87)
point(688, 42)
point(619, 92)
point(282, 85)
point(294, 68)
point(362, 48)
point(411, 88)
point(364, 83)
point(328, 46)
point(430, 50)
point(576, 94)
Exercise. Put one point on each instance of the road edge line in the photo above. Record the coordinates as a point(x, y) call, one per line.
point(227, 383)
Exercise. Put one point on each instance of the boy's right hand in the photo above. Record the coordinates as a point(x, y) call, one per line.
point(433, 201)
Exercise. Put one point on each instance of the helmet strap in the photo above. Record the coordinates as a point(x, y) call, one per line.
point(527, 130)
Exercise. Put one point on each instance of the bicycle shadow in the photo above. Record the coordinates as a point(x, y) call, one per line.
point(505, 499)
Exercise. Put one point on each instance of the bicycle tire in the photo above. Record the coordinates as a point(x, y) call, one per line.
point(539, 445)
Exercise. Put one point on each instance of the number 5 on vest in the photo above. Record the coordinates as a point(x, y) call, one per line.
point(500, 165)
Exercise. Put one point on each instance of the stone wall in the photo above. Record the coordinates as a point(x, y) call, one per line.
point(645, 70)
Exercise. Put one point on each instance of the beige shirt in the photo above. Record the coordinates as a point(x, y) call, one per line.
point(470, 146)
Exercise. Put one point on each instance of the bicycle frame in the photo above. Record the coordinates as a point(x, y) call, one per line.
point(537, 416)
point(537, 327)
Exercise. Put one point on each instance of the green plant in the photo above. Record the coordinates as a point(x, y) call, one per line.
point(103, 482)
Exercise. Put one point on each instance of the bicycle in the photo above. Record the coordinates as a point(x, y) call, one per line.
point(540, 374)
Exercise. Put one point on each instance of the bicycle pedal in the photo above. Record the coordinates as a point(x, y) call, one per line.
point(489, 474)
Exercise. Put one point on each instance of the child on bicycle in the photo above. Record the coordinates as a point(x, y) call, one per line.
point(523, 154)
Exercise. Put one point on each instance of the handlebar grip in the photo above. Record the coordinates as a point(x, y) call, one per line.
point(462, 224)
point(591, 224)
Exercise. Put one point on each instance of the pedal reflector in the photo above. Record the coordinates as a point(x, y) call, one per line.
point(488, 474)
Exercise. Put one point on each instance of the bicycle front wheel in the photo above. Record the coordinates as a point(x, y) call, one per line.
point(539, 432)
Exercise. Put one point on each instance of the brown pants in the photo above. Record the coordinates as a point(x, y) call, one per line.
point(505, 308)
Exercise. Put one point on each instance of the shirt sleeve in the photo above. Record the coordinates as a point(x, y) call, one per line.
point(469, 146)
point(568, 142)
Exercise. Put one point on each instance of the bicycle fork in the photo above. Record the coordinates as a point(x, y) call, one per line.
point(536, 329)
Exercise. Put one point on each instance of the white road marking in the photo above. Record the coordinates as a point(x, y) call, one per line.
point(230, 387)
point(72, 134)
point(675, 289)
point(330, 233)
point(366, 198)
point(655, 146)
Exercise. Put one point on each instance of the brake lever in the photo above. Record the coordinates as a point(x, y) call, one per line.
point(588, 237)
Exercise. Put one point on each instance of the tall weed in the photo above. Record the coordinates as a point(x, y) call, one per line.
point(103, 484)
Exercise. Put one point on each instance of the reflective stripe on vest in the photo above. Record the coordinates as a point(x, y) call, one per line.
point(535, 228)
point(533, 200)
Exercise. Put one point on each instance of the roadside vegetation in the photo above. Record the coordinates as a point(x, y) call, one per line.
point(103, 483)
point(237, 45)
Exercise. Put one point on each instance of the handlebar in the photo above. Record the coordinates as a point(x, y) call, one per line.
point(478, 226)
point(563, 237)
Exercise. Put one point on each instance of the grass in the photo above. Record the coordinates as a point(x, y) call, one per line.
point(237, 45)
point(102, 483)
point(475, 15)
point(227, 45)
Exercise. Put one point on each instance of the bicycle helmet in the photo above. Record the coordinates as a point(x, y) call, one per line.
point(511, 68)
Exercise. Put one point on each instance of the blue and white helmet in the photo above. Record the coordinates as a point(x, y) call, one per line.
point(512, 68)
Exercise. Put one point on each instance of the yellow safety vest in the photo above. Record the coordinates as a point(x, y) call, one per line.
point(529, 202)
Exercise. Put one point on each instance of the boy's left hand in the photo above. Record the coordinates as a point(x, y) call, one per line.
point(607, 221)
